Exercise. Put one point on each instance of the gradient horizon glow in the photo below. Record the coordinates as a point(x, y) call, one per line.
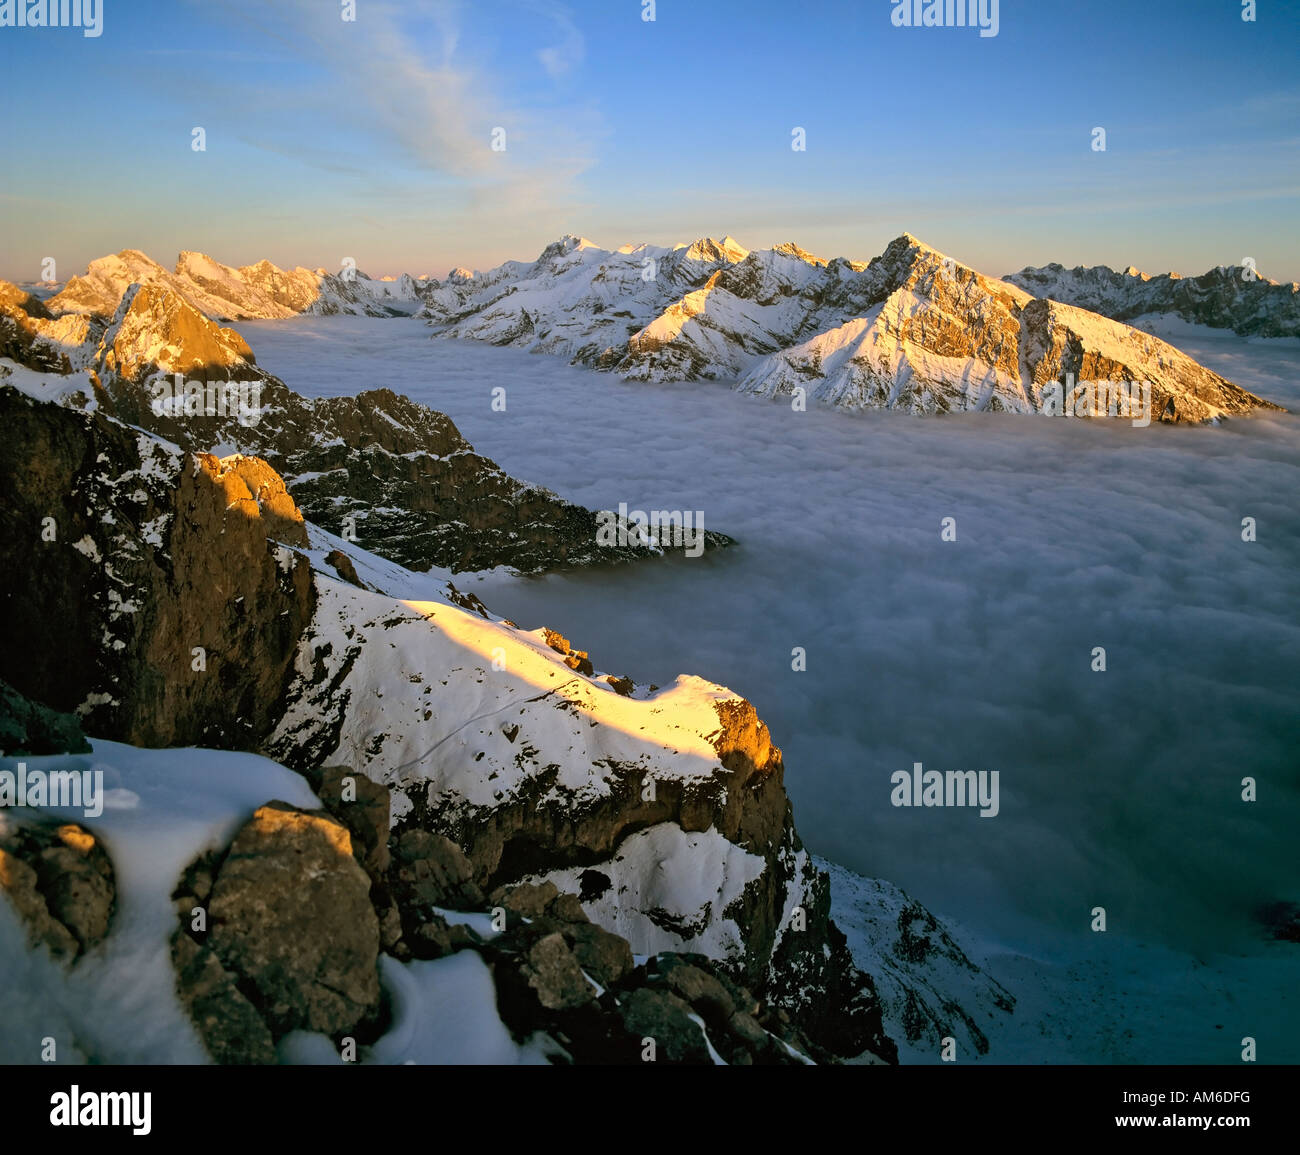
point(372, 139)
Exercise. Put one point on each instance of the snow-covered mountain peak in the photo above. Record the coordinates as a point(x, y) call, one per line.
point(728, 249)
point(790, 249)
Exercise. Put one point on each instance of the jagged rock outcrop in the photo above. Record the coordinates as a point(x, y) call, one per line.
point(155, 330)
point(932, 336)
point(277, 934)
point(61, 882)
point(272, 938)
point(1232, 297)
point(167, 614)
point(290, 916)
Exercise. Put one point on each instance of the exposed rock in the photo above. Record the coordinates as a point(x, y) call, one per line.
point(526, 901)
point(232, 1031)
point(555, 976)
point(154, 330)
point(20, 883)
point(432, 870)
point(567, 908)
point(26, 727)
point(377, 468)
point(704, 992)
point(343, 566)
point(929, 988)
point(603, 955)
point(536, 789)
point(290, 917)
point(623, 686)
point(61, 881)
point(252, 487)
point(362, 805)
point(816, 982)
point(928, 335)
point(166, 614)
point(252, 291)
point(665, 1018)
point(30, 336)
point(912, 329)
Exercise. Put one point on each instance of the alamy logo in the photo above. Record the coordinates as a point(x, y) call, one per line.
point(662, 527)
point(78, 1108)
point(178, 398)
point(63, 789)
point(981, 14)
point(1130, 399)
point(88, 15)
point(946, 788)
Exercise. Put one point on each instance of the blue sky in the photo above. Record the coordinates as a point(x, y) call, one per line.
point(372, 139)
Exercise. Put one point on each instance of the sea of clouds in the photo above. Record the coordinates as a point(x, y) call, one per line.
point(1119, 789)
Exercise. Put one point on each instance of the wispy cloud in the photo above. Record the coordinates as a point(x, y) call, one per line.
point(568, 52)
point(401, 75)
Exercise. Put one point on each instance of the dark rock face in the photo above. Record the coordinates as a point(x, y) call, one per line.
point(27, 727)
point(363, 807)
point(61, 882)
point(816, 982)
point(167, 614)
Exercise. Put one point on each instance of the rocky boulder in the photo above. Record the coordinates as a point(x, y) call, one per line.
point(290, 917)
point(60, 880)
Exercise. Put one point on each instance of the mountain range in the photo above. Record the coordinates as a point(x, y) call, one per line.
point(1232, 297)
point(911, 330)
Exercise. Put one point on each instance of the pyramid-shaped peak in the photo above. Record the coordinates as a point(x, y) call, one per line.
point(709, 249)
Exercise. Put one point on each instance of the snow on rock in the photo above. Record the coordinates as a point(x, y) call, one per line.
point(929, 988)
point(667, 890)
point(440, 703)
point(444, 1011)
